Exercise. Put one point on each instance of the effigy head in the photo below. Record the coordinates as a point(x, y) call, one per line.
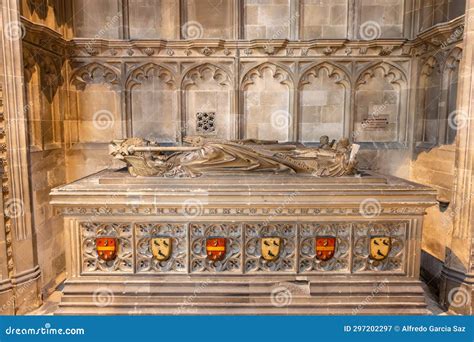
point(324, 140)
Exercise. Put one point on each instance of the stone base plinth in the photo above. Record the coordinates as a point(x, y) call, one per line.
point(348, 215)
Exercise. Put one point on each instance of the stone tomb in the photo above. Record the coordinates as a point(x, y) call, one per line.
point(242, 244)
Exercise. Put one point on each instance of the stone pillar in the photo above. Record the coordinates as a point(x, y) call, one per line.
point(20, 281)
point(457, 285)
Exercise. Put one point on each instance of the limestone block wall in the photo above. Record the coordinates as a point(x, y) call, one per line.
point(46, 101)
point(434, 155)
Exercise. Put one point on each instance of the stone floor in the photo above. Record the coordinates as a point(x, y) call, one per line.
point(51, 303)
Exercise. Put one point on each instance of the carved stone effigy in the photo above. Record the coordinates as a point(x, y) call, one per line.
point(240, 243)
point(210, 156)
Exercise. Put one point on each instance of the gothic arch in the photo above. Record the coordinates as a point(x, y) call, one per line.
point(427, 110)
point(337, 73)
point(213, 84)
point(144, 72)
point(95, 73)
point(334, 89)
point(388, 118)
point(219, 74)
point(139, 120)
point(282, 74)
point(448, 99)
point(273, 121)
point(392, 74)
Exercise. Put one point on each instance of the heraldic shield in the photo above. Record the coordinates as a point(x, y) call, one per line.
point(325, 247)
point(161, 248)
point(106, 248)
point(216, 248)
point(379, 247)
point(270, 248)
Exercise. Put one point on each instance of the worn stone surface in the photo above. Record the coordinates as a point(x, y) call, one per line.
point(244, 210)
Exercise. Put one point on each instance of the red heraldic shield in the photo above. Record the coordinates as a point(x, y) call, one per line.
point(106, 248)
point(325, 247)
point(215, 248)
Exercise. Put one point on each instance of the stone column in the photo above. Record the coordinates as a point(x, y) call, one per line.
point(22, 272)
point(457, 285)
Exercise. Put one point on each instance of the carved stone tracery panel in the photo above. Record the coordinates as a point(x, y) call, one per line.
point(91, 263)
point(363, 232)
point(200, 232)
point(152, 103)
point(340, 262)
point(268, 103)
point(380, 104)
point(208, 88)
point(286, 261)
point(324, 99)
point(178, 259)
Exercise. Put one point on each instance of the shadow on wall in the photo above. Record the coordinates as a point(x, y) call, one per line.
point(42, 9)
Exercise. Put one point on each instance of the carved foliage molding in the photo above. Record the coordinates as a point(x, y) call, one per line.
point(243, 247)
point(89, 231)
point(146, 262)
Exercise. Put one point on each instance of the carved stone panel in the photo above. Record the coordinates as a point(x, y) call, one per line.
point(286, 261)
point(380, 98)
point(123, 262)
point(177, 260)
point(308, 262)
point(200, 232)
point(363, 232)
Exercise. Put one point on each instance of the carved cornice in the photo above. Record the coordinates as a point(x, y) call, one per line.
point(437, 37)
point(47, 39)
point(71, 210)
point(44, 38)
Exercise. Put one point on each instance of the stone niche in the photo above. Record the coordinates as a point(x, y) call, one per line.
point(324, 109)
point(153, 100)
point(207, 102)
point(380, 104)
point(267, 101)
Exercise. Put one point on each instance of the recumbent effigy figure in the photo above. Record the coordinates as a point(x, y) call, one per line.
point(204, 155)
